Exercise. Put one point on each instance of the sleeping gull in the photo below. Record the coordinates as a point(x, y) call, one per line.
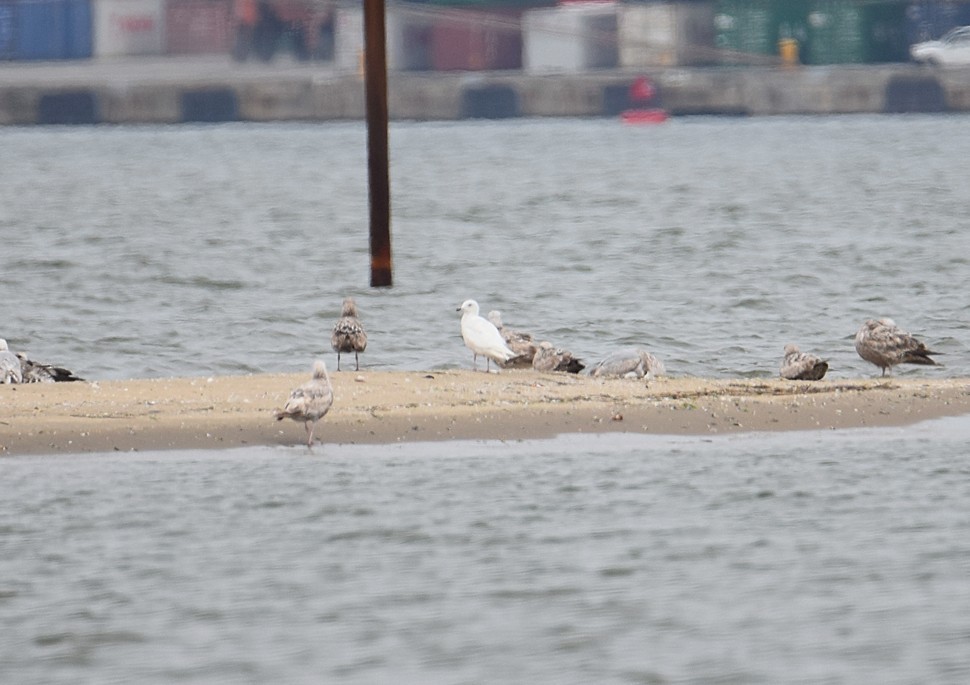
point(521, 343)
point(631, 362)
point(549, 358)
point(482, 337)
point(310, 402)
point(348, 333)
point(802, 366)
point(35, 372)
point(883, 343)
point(9, 365)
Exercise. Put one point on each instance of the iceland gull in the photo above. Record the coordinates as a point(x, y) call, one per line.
point(9, 365)
point(482, 337)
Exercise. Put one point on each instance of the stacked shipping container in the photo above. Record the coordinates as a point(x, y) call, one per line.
point(78, 29)
point(534, 35)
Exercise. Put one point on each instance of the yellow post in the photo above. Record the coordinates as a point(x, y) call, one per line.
point(788, 50)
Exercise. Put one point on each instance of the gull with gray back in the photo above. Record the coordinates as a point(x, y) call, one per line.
point(631, 362)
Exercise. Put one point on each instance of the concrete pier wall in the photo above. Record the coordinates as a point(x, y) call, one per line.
point(150, 93)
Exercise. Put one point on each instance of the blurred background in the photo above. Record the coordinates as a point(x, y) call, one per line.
point(470, 35)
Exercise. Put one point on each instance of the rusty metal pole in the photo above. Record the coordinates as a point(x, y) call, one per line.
point(375, 84)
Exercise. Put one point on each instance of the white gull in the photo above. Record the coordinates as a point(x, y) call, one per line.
point(9, 365)
point(482, 337)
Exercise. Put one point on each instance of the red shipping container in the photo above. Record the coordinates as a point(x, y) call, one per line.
point(476, 40)
point(198, 26)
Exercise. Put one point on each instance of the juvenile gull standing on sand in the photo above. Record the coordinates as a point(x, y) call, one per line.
point(9, 365)
point(802, 366)
point(883, 343)
point(310, 402)
point(549, 358)
point(482, 337)
point(348, 333)
point(521, 343)
point(631, 362)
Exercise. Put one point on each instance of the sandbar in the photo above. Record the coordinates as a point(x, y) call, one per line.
point(384, 407)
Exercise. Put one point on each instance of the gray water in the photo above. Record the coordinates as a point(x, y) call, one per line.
point(157, 251)
point(837, 557)
point(814, 558)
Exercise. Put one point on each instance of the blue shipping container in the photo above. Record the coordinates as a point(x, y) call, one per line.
point(41, 30)
point(52, 29)
point(80, 40)
point(8, 30)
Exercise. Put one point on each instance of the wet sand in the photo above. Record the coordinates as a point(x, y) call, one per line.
point(389, 406)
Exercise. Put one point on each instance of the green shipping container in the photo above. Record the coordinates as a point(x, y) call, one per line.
point(854, 32)
point(754, 27)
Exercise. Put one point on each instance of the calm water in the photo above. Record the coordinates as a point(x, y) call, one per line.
point(800, 558)
point(132, 252)
point(811, 558)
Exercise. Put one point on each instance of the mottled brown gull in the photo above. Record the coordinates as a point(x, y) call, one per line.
point(631, 362)
point(482, 337)
point(802, 366)
point(9, 365)
point(35, 372)
point(521, 343)
point(551, 358)
point(883, 343)
point(310, 402)
point(348, 333)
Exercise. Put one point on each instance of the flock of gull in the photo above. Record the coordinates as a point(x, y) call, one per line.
point(879, 341)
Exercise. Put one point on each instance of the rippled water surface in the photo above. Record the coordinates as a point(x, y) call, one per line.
point(153, 251)
point(798, 558)
point(808, 558)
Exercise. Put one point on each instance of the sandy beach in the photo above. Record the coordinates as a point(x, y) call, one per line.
point(391, 406)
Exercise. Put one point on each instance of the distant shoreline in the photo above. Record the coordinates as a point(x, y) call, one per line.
point(388, 407)
point(213, 88)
